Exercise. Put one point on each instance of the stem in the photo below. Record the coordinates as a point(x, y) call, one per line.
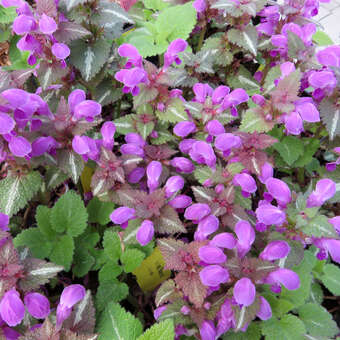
point(201, 38)
point(301, 176)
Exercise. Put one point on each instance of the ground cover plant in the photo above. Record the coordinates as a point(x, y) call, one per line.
point(169, 170)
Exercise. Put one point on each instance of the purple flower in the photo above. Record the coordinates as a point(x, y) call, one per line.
point(130, 52)
point(69, 297)
point(47, 25)
point(233, 99)
point(267, 171)
point(227, 141)
point(44, 144)
point(286, 277)
point(245, 235)
point(246, 182)
point(135, 138)
point(186, 144)
point(80, 145)
point(244, 292)
point(158, 311)
point(182, 129)
point(173, 185)
point(4, 221)
point(75, 98)
point(330, 246)
point(180, 201)
point(270, 215)
point(122, 215)
point(171, 55)
point(212, 255)
point(87, 109)
point(208, 225)
point(136, 175)
point(207, 330)
point(275, 250)
point(279, 190)
point(330, 56)
point(24, 24)
point(214, 128)
point(145, 232)
point(60, 51)
point(7, 123)
point(335, 221)
point(131, 78)
point(182, 164)
point(108, 131)
point(325, 189)
point(265, 311)
point(200, 6)
point(37, 305)
point(19, 146)
point(213, 275)
point(132, 149)
point(153, 173)
point(16, 97)
point(202, 153)
point(12, 309)
point(197, 211)
point(224, 240)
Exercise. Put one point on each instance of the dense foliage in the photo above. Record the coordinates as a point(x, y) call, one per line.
point(169, 169)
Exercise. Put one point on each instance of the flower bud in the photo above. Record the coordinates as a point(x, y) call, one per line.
point(197, 211)
point(37, 305)
point(213, 275)
point(212, 255)
point(122, 215)
point(182, 165)
point(275, 250)
point(244, 292)
point(145, 232)
point(173, 184)
point(12, 310)
point(183, 129)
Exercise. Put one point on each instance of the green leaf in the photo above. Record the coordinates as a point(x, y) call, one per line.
point(164, 330)
point(89, 58)
point(54, 177)
point(117, 324)
point(62, 252)
point(202, 173)
point(71, 163)
point(322, 39)
point(125, 124)
point(42, 217)
point(319, 227)
point(317, 320)
point(156, 5)
point(16, 191)
point(131, 259)
point(145, 129)
point(290, 149)
point(274, 73)
point(174, 113)
point(246, 38)
point(253, 332)
point(289, 327)
point(111, 244)
point(35, 241)
point(245, 80)
point(110, 291)
point(69, 214)
point(109, 272)
point(330, 116)
point(7, 15)
point(72, 3)
point(253, 121)
point(331, 278)
point(82, 262)
point(295, 45)
point(146, 95)
point(310, 147)
point(279, 306)
point(99, 212)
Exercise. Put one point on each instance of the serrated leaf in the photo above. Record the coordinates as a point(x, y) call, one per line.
point(110, 291)
point(89, 58)
point(174, 113)
point(330, 116)
point(202, 173)
point(125, 124)
point(62, 252)
point(131, 259)
point(253, 332)
point(99, 212)
point(244, 79)
point(71, 163)
point(290, 149)
point(117, 324)
point(317, 320)
point(274, 73)
point(109, 272)
point(106, 94)
point(112, 246)
point(43, 215)
point(69, 31)
point(7, 15)
point(82, 262)
point(72, 3)
point(69, 214)
point(319, 227)
point(253, 121)
point(164, 330)
point(35, 241)
point(54, 177)
point(246, 38)
point(16, 191)
point(164, 292)
point(289, 327)
point(145, 129)
point(295, 45)
point(169, 222)
point(37, 273)
point(330, 278)
point(49, 74)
